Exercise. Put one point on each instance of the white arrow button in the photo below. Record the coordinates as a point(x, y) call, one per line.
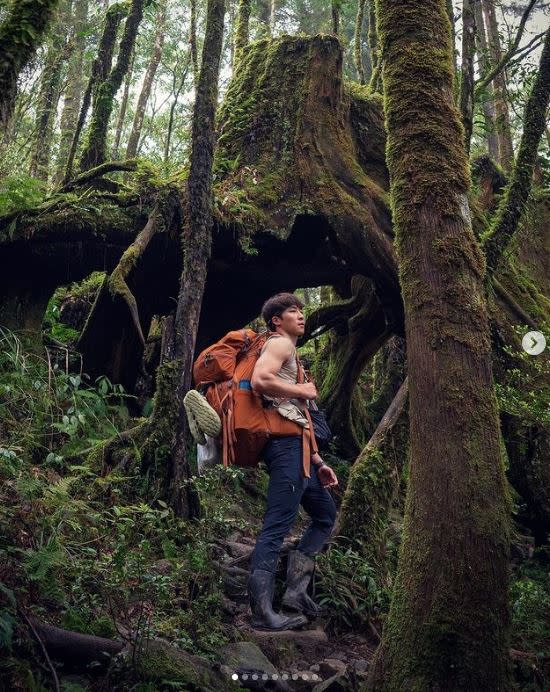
point(534, 343)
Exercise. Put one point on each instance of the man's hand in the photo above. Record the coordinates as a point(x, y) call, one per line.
point(309, 391)
point(327, 477)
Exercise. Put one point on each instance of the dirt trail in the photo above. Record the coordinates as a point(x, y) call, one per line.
point(313, 658)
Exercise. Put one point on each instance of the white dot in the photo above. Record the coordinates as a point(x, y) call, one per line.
point(305, 676)
point(284, 676)
point(245, 676)
point(254, 677)
point(265, 676)
point(234, 676)
point(275, 676)
point(294, 676)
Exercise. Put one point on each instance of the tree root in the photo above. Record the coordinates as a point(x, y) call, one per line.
point(117, 281)
point(361, 330)
point(330, 316)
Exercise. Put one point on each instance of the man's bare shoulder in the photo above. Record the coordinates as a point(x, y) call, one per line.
point(280, 346)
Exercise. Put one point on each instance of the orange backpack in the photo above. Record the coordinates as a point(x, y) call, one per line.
point(223, 372)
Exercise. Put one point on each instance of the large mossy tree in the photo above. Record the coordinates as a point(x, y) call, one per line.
point(447, 627)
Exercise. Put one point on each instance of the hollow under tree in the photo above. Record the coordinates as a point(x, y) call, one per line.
point(448, 619)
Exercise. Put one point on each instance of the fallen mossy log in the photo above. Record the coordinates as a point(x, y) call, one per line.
point(61, 241)
point(77, 648)
point(151, 660)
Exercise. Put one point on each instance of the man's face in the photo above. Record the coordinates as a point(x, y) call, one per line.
point(291, 321)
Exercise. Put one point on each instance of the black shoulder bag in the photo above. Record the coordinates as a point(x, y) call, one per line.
point(321, 429)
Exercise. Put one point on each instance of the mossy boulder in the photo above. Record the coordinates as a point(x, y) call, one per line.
point(159, 662)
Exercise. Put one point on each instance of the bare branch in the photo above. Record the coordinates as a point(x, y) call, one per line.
point(510, 53)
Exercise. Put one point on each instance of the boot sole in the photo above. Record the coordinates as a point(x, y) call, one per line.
point(206, 419)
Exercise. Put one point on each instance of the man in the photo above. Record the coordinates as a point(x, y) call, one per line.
point(275, 377)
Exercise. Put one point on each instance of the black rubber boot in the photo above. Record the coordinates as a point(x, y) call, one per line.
point(261, 587)
point(299, 573)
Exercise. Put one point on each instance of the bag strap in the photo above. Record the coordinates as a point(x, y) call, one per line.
point(309, 443)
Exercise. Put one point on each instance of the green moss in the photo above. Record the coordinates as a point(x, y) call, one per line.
point(374, 484)
point(20, 34)
point(117, 280)
point(242, 29)
point(94, 151)
point(517, 192)
point(159, 662)
point(284, 150)
point(448, 620)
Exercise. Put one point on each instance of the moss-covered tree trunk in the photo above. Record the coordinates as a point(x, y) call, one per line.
point(100, 69)
point(375, 79)
point(20, 35)
point(74, 89)
point(504, 131)
point(178, 82)
point(447, 627)
point(193, 40)
point(264, 14)
point(515, 198)
point(95, 148)
point(123, 107)
point(197, 238)
point(48, 97)
point(487, 96)
point(242, 29)
point(451, 15)
point(335, 13)
point(154, 61)
point(357, 42)
point(467, 71)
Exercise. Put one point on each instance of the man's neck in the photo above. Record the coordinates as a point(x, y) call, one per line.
point(294, 339)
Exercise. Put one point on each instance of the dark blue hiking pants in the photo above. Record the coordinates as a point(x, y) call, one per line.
point(287, 490)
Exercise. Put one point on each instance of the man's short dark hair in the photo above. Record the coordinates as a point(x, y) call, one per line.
point(277, 304)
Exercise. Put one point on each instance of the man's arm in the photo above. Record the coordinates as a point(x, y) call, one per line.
point(265, 380)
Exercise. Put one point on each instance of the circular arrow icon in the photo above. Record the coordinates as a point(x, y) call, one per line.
point(534, 343)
